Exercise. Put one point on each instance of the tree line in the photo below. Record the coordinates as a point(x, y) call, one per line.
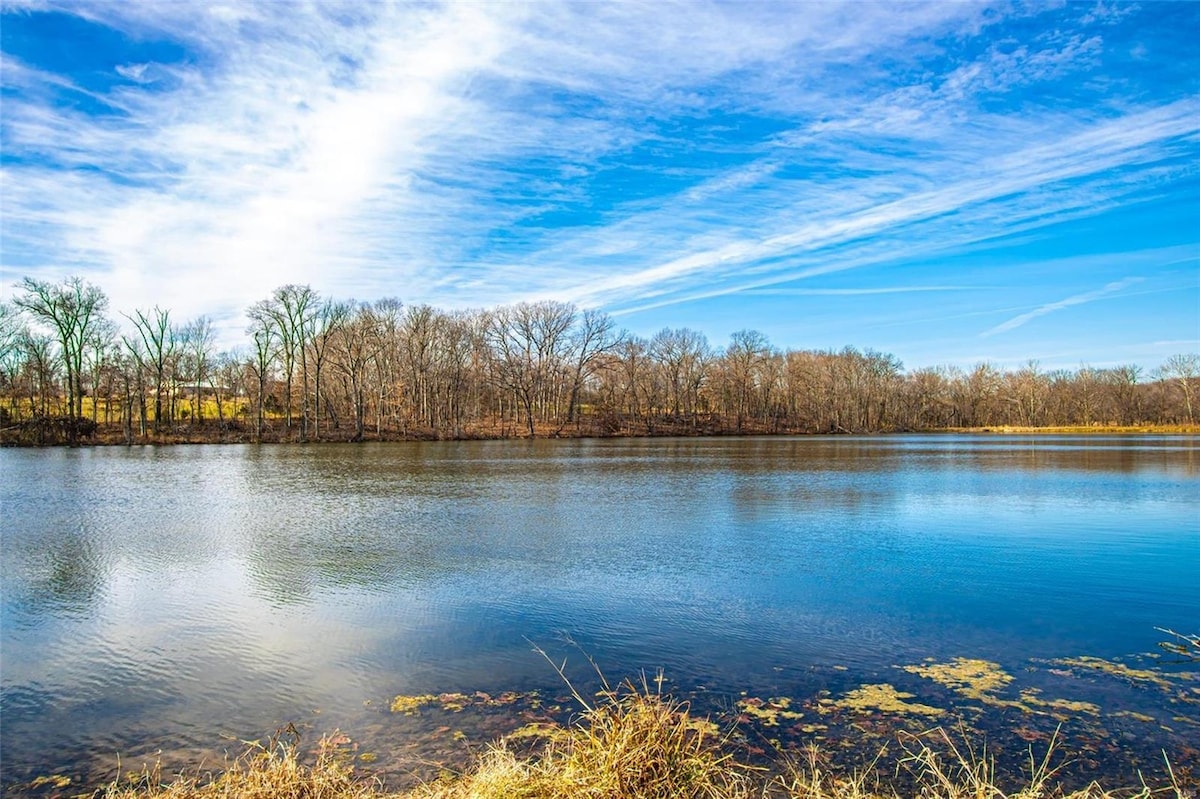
point(318, 368)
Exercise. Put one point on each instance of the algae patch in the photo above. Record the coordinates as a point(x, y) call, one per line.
point(539, 730)
point(1030, 698)
point(884, 697)
point(983, 680)
point(411, 705)
point(768, 711)
point(1115, 669)
point(975, 679)
point(704, 727)
point(57, 780)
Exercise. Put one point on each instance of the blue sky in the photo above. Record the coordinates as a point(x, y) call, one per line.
point(948, 182)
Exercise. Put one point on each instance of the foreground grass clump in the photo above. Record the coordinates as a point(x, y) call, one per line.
point(269, 771)
point(635, 744)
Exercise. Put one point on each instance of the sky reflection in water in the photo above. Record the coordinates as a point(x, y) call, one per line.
point(157, 598)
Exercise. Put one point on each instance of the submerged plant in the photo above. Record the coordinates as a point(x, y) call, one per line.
point(975, 679)
point(630, 741)
point(639, 744)
point(1120, 670)
point(885, 698)
point(1186, 646)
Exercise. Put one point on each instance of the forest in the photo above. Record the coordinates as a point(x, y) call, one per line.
point(316, 368)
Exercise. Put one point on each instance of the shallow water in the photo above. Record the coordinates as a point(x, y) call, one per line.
point(156, 600)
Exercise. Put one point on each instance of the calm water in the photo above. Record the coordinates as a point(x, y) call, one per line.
point(155, 600)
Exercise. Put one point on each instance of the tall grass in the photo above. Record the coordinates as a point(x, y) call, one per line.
point(262, 771)
point(632, 744)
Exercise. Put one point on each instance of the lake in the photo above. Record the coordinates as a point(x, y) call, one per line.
point(164, 602)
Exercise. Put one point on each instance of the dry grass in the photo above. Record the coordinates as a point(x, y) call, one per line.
point(634, 744)
point(263, 771)
point(1079, 429)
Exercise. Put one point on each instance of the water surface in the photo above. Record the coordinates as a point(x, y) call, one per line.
point(156, 599)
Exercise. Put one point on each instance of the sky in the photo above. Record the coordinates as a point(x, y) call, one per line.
point(949, 182)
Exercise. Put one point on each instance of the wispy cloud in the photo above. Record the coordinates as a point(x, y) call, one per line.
point(798, 292)
point(625, 155)
point(1051, 307)
point(1029, 184)
point(134, 72)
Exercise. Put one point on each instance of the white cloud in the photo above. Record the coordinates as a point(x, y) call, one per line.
point(376, 150)
point(1030, 185)
point(134, 72)
point(1051, 307)
point(799, 292)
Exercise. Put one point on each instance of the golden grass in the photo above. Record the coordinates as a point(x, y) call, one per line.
point(1149, 428)
point(263, 771)
point(634, 744)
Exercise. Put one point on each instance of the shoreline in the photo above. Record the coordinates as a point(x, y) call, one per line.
point(113, 435)
point(631, 743)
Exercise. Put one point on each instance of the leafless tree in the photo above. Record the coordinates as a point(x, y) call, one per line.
point(196, 342)
point(290, 312)
point(72, 309)
point(157, 350)
point(528, 341)
point(327, 324)
point(592, 339)
point(1184, 370)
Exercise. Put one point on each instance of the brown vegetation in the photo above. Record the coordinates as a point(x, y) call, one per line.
point(319, 369)
point(636, 744)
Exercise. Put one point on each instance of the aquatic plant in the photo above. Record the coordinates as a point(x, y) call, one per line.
point(975, 679)
point(635, 744)
point(1120, 670)
point(630, 741)
point(1185, 645)
point(768, 711)
point(884, 698)
point(453, 702)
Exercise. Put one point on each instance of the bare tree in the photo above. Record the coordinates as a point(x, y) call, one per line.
point(528, 341)
point(72, 309)
point(1184, 370)
point(593, 338)
point(680, 355)
point(225, 380)
point(290, 311)
point(101, 353)
point(747, 351)
point(157, 352)
point(41, 367)
point(417, 352)
point(196, 342)
point(355, 345)
point(1025, 390)
point(331, 316)
point(12, 355)
point(264, 336)
point(635, 378)
point(1123, 386)
point(386, 359)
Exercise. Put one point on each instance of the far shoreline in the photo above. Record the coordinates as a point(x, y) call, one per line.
point(215, 433)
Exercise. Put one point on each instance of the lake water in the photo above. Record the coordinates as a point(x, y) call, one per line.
point(160, 602)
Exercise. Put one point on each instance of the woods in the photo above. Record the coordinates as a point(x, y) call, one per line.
point(318, 368)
